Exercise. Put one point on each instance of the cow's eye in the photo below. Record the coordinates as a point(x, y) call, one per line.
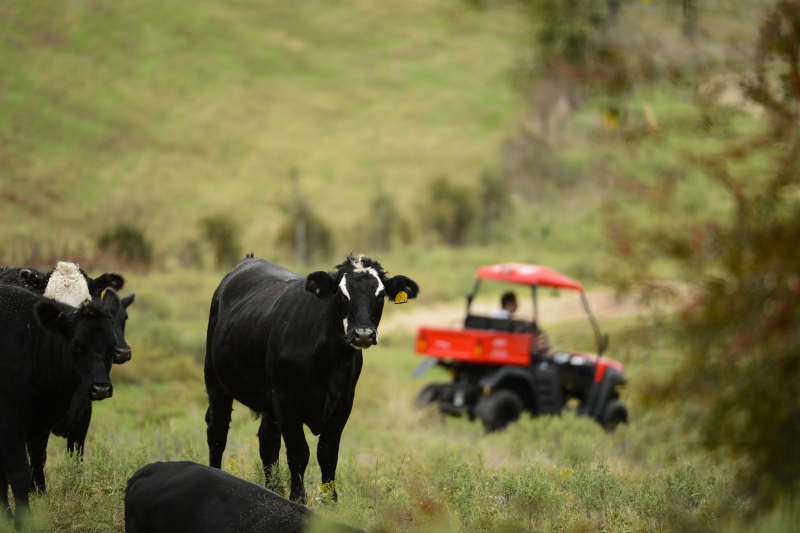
point(342, 297)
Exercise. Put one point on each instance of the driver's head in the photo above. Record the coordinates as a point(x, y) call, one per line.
point(509, 302)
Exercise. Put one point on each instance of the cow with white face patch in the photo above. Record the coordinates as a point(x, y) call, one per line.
point(289, 348)
point(363, 293)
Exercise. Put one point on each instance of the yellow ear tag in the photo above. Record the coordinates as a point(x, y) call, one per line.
point(103, 294)
point(401, 297)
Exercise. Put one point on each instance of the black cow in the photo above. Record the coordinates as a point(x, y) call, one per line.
point(48, 351)
point(75, 424)
point(68, 283)
point(187, 497)
point(289, 348)
point(69, 280)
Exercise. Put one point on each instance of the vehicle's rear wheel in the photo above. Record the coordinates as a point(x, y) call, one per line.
point(498, 409)
point(428, 395)
point(614, 414)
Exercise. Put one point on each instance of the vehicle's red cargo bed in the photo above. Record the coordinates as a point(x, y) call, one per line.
point(475, 346)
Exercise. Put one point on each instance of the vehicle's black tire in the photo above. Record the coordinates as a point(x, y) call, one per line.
point(614, 414)
point(498, 409)
point(429, 394)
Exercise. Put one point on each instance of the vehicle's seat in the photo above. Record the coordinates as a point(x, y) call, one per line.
point(499, 324)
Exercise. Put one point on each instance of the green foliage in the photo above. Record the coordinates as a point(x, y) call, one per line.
point(494, 198)
point(303, 230)
point(387, 225)
point(222, 234)
point(128, 242)
point(573, 43)
point(740, 376)
point(569, 29)
point(447, 210)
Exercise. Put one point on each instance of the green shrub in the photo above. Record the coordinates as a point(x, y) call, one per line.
point(387, 225)
point(448, 210)
point(127, 242)
point(222, 234)
point(303, 231)
point(495, 202)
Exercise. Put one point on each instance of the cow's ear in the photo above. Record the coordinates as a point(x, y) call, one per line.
point(27, 274)
point(400, 284)
point(128, 300)
point(111, 303)
point(109, 280)
point(52, 318)
point(33, 278)
point(321, 284)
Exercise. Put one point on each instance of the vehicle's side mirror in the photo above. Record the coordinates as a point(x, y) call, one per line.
point(603, 344)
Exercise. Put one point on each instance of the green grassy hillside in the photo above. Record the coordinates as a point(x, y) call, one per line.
point(161, 114)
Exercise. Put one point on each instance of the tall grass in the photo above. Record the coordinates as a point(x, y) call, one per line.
point(408, 470)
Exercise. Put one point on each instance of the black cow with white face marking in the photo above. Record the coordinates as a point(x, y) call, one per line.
point(289, 348)
point(48, 351)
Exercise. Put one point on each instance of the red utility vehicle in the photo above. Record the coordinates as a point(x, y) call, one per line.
point(502, 366)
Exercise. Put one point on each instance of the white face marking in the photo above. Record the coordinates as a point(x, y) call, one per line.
point(343, 286)
point(67, 285)
point(380, 285)
point(357, 264)
point(344, 323)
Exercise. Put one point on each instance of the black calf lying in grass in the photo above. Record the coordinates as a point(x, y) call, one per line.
point(188, 497)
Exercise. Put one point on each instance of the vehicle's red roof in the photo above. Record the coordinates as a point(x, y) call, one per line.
point(528, 275)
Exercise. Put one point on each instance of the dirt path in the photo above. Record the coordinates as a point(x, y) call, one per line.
point(552, 310)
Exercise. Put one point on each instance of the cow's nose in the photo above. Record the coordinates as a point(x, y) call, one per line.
point(122, 355)
point(365, 337)
point(100, 391)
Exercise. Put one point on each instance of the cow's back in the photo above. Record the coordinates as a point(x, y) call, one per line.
point(182, 496)
point(174, 497)
point(239, 326)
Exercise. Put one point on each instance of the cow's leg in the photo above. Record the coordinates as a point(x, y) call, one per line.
point(218, 418)
point(269, 448)
point(37, 449)
point(18, 474)
point(76, 438)
point(4, 493)
point(328, 445)
point(297, 455)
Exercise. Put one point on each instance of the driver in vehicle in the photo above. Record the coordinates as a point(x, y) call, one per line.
point(508, 304)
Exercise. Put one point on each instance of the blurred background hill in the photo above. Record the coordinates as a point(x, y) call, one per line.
point(156, 118)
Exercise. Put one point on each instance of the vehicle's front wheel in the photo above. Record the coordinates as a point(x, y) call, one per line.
point(498, 409)
point(614, 414)
point(428, 395)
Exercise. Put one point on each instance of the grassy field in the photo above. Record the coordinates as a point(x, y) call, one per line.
point(408, 470)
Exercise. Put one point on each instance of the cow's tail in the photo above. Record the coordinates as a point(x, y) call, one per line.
point(212, 325)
